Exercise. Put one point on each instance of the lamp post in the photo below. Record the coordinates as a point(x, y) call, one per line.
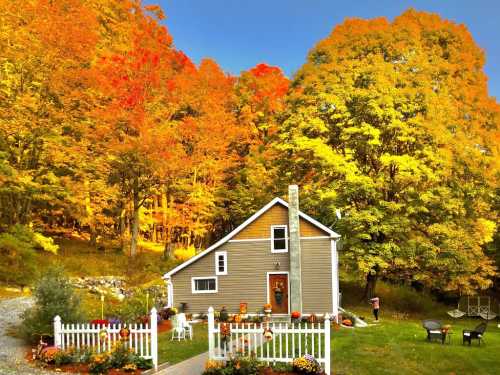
point(147, 302)
point(102, 306)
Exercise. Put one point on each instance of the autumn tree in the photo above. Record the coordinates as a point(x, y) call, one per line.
point(255, 180)
point(392, 124)
point(45, 46)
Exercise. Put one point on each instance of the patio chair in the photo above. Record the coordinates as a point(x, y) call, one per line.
point(475, 334)
point(434, 330)
point(181, 328)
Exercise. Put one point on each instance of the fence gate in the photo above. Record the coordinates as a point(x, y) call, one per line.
point(289, 340)
point(143, 338)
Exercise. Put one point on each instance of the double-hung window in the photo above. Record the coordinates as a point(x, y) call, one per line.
point(279, 239)
point(221, 263)
point(204, 285)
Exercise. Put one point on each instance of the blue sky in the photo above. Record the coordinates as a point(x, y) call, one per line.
point(238, 34)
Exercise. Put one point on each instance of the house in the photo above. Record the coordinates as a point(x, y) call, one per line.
point(279, 256)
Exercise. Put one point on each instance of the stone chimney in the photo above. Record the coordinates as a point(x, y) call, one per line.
point(294, 250)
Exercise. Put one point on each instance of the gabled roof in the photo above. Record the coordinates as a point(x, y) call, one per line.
point(247, 222)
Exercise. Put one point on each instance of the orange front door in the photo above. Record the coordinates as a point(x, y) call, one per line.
point(278, 293)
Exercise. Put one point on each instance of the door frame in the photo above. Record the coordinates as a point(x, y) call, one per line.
point(288, 287)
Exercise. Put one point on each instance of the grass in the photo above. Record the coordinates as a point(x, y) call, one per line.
point(400, 346)
point(178, 351)
point(80, 259)
point(393, 346)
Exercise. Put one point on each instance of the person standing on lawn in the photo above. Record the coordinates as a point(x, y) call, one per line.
point(375, 302)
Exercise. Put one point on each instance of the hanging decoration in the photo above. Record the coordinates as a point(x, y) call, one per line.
point(268, 334)
point(103, 335)
point(124, 333)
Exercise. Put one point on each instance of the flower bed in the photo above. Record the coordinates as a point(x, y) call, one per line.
point(120, 360)
point(306, 365)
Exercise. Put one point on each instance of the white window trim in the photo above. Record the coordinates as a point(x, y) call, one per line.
point(285, 250)
point(217, 254)
point(194, 291)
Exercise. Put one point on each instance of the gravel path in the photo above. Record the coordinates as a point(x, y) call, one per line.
point(12, 350)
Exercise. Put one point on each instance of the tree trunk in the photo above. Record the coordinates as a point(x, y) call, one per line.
point(123, 226)
point(90, 213)
point(167, 251)
point(154, 236)
point(135, 220)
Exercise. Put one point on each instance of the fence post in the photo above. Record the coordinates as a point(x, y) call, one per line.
point(154, 337)
point(57, 331)
point(211, 333)
point(327, 344)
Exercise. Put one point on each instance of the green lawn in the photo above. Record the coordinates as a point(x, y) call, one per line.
point(178, 351)
point(400, 347)
point(393, 346)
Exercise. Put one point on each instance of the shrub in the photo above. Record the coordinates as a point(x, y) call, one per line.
point(17, 260)
point(142, 363)
point(307, 365)
point(63, 357)
point(45, 243)
point(120, 356)
point(129, 309)
point(18, 254)
point(282, 367)
point(235, 366)
point(99, 364)
point(53, 296)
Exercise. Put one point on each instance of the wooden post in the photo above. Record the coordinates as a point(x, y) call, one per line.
point(154, 337)
point(57, 331)
point(327, 344)
point(211, 333)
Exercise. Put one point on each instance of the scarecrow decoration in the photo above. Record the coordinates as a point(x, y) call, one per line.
point(225, 332)
point(268, 334)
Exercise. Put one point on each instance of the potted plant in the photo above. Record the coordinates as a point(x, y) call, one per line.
point(295, 316)
point(268, 308)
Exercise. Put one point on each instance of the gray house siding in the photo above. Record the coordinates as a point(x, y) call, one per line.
point(316, 276)
point(247, 264)
point(246, 281)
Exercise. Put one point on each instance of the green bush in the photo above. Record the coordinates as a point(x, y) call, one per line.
point(18, 254)
point(53, 296)
point(130, 308)
point(235, 366)
point(142, 363)
point(100, 364)
point(64, 357)
point(17, 260)
point(120, 356)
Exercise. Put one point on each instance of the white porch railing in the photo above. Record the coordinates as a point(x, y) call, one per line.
point(289, 341)
point(143, 338)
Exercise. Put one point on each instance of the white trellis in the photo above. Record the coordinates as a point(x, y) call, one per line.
point(143, 338)
point(290, 340)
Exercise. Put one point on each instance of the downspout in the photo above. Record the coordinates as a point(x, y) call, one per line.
point(335, 279)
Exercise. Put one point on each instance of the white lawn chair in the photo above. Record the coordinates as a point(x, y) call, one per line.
point(181, 328)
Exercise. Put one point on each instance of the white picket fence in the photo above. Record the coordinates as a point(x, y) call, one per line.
point(143, 338)
point(289, 341)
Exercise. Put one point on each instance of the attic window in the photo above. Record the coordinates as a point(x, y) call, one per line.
point(279, 239)
point(221, 263)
